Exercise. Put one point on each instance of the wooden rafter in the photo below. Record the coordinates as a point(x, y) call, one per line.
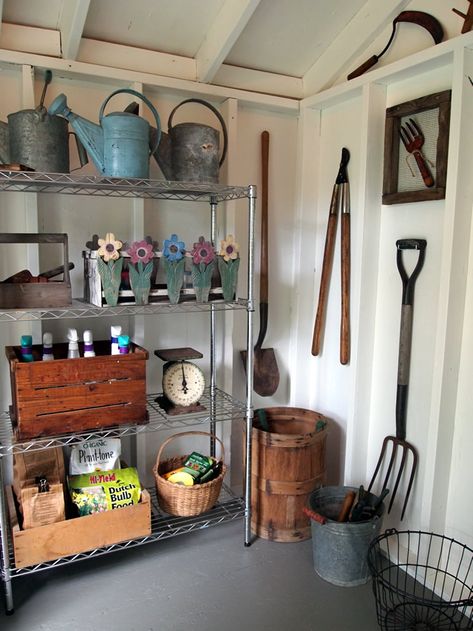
point(72, 22)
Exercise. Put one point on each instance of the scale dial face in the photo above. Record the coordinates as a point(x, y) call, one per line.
point(183, 383)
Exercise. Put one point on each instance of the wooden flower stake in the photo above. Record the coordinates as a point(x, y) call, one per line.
point(140, 269)
point(110, 274)
point(140, 281)
point(228, 264)
point(203, 265)
point(201, 279)
point(174, 271)
point(229, 276)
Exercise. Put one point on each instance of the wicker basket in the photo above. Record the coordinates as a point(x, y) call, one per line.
point(186, 501)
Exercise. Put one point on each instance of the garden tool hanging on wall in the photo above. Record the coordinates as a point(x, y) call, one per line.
point(340, 203)
point(427, 21)
point(397, 445)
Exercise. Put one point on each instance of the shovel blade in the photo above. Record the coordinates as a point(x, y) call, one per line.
point(265, 371)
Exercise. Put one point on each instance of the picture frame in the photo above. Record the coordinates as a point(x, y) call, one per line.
point(416, 148)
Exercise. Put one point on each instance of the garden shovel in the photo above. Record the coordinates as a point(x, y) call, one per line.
point(265, 371)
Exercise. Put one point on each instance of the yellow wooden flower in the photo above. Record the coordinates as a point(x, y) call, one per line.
point(229, 248)
point(108, 247)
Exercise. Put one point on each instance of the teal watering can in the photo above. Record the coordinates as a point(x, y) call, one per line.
point(119, 144)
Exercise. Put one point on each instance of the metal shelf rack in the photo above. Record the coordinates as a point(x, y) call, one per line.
point(226, 409)
point(218, 405)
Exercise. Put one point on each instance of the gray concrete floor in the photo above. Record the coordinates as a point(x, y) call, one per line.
point(205, 581)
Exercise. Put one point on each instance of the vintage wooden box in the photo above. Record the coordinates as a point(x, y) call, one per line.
point(31, 295)
point(79, 534)
point(70, 395)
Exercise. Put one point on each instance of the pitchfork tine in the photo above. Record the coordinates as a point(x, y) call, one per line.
point(398, 478)
point(411, 479)
point(378, 464)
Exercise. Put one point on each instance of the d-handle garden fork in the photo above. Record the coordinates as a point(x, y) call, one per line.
point(405, 343)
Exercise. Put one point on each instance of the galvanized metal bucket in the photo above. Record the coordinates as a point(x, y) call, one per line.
point(340, 549)
point(189, 152)
point(39, 140)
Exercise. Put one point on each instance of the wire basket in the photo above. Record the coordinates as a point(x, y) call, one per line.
point(186, 501)
point(421, 581)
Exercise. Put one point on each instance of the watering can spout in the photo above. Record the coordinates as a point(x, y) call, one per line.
point(90, 134)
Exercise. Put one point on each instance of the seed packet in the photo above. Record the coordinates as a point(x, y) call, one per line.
point(96, 454)
point(100, 491)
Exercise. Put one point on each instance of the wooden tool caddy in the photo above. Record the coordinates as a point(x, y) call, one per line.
point(71, 395)
point(32, 295)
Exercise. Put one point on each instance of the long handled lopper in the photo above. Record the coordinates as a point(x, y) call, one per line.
point(340, 203)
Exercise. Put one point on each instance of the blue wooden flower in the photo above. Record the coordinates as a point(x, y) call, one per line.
point(173, 249)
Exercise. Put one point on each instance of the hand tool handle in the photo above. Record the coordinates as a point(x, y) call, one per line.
point(405, 338)
point(313, 515)
point(346, 506)
point(424, 169)
point(264, 217)
point(263, 283)
point(369, 63)
point(345, 278)
point(326, 269)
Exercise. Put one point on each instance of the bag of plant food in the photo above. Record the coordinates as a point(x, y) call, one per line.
point(96, 454)
point(100, 491)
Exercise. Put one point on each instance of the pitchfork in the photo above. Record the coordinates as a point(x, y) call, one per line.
point(405, 340)
point(413, 139)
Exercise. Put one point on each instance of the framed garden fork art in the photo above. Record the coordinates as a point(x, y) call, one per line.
point(415, 149)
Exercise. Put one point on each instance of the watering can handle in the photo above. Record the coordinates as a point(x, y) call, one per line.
point(148, 103)
point(217, 114)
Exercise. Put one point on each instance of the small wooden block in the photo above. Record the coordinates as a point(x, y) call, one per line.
point(14, 166)
point(177, 354)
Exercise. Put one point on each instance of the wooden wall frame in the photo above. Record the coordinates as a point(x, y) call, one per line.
point(392, 148)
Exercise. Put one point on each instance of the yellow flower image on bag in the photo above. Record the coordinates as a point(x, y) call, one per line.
point(100, 491)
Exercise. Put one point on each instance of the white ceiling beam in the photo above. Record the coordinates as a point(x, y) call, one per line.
point(93, 51)
point(28, 39)
point(71, 25)
point(151, 82)
point(350, 43)
point(227, 27)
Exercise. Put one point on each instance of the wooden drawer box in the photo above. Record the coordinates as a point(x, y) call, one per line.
point(31, 295)
point(70, 395)
point(79, 534)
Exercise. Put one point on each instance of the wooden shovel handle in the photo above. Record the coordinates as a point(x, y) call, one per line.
point(345, 287)
point(264, 217)
point(326, 271)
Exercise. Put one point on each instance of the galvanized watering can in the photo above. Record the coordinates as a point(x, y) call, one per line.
point(189, 152)
point(119, 144)
point(37, 139)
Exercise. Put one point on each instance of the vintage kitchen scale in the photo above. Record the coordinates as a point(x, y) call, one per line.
point(183, 381)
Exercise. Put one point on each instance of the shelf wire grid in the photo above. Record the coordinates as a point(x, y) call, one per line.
point(38, 182)
point(163, 526)
point(227, 409)
point(82, 309)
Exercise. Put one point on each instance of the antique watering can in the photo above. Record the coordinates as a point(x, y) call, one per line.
point(189, 152)
point(119, 144)
point(37, 139)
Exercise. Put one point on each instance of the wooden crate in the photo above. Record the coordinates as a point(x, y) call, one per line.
point(71, 395)
point(32, 295)
point(80, 534)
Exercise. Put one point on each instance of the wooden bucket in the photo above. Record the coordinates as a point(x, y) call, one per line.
point(288, 463)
